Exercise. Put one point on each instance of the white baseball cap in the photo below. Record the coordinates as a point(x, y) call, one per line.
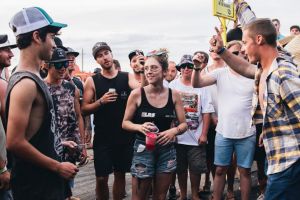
point(30, 19)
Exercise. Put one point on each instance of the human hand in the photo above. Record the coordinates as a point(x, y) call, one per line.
point(199, 60)
point(108, 97)
point(165, 137)
point(69, 144)
point(141, 62)
point(4, 180)
point(147, 127)
point(67, 170)
point(203, 139)
point(260, 141)
point(216, 42)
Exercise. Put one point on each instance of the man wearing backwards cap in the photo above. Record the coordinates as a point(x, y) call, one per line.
point(5, 57)
point(112, 145)
point(32, 138)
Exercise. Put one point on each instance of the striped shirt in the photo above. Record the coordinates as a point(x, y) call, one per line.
point(281, 116)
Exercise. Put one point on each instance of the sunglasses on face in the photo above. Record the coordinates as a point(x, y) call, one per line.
point(235, 53)
point(189, 66)
point(60, 65)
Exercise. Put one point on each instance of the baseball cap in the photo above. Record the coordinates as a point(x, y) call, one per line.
point(134, 53)
point(185, 59)
point(72, 51)
point(100, 46)
point(30, 19)
point(5, 43)
point(59, 55)
point(59, 43)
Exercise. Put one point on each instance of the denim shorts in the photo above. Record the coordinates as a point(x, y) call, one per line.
point(284, 185)
point(244, 150)
point(145, 163)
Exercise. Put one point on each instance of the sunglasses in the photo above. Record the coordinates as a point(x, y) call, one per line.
point(60, 65)
point(189, 66)
point(235, 53)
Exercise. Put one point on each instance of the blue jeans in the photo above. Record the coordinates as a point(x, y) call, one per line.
point(244, 150)
point(284, 185)
point(6, 195)
point(145, 163)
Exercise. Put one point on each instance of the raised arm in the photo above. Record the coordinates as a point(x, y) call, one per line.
point(236, 63)
point(200, 80)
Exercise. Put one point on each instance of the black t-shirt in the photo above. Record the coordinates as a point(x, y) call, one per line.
point(108, 118)
point(30, 181)
point(161, 117)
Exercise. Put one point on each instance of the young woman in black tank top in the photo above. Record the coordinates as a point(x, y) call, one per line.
point(154, 105)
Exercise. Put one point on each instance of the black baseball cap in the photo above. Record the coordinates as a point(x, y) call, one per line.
point(59, 55)
point(72, 51)
point(134, 53)
point(59, 43)
point(100, 46)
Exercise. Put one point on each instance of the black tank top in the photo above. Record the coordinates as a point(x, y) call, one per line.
point(161, 117)
point(108, 118)
point(30, 181)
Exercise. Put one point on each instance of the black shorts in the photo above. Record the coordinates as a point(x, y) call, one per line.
point(210, 147)
point(260, 153)
point(192, 158)
point(112, 158)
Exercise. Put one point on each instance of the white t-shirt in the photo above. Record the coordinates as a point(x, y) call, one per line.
point(234, 104)
point(195, 102)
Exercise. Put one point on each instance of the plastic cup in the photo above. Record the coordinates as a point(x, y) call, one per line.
point(150, 141)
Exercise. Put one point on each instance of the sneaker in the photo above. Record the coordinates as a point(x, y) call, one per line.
point(172, 193)
point(261, 197)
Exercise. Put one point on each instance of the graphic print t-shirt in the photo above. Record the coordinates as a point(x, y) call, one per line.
point(196, 101)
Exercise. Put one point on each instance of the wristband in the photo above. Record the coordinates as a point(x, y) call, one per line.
point(3, 170)
point(179, 131)
point(197, 68)
point(221, 50)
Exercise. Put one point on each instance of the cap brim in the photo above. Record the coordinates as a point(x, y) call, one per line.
point(60, 60)
point(12, 46)
point(72, 52)
point(59, 25)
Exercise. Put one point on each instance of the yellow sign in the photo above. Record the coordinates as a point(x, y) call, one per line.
point(224, 8)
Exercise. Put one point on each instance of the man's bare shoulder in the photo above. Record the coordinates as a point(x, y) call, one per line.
point(25, 87)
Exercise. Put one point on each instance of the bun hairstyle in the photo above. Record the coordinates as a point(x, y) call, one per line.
point(162, 57)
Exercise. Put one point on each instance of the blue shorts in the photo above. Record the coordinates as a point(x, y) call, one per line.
point(284, 185)
point(145, 163)
point(243, 148)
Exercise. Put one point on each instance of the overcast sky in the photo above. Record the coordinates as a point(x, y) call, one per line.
point(180, 26)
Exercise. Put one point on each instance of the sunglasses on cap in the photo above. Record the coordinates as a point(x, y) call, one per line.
point(189, 66)
point(60, 65)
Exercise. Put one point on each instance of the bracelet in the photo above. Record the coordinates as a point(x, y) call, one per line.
point(221, 50)
point(197, 68)
point(3, 170)
point(100, 102)
point(179, 131)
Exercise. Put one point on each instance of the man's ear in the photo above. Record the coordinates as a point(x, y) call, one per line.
point(260, 40)
point(36, 37)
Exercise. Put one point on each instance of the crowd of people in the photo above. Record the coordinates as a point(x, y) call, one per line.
point(161, 121)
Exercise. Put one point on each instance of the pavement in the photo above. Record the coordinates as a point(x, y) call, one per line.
point(85, 184)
